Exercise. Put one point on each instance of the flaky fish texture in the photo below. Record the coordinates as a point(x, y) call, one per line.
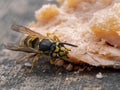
point(93, 25)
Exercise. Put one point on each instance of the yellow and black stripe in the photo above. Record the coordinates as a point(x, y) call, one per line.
point(59, 50)
point(30, 41)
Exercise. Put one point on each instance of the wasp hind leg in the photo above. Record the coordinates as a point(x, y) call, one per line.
point(33, 64)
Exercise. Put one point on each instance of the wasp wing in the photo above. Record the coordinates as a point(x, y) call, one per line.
point(15, 47)
point(25, 30)
point(28, 56)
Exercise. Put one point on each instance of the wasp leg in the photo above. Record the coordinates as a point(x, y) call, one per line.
point(69, 49)
point(48, 34)
point(52, 61)
point(33, 64)
point(25, 57)
point(53, 36)
point(57, 62)
point(56, 38)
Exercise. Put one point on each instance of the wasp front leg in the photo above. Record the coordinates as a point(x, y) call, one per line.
point(33, 63)
point(52, 61)
point(57, 62)
point(53, 36)
point(56, 38)
point(61, 63)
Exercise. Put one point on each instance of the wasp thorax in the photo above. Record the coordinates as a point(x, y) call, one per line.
point(44, 45)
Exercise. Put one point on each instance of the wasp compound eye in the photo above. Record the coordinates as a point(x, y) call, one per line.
point(44, 45)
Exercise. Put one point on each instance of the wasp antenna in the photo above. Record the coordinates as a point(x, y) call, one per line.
point(69, 44)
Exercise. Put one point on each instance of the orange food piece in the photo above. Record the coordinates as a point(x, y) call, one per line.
point(109, 28)
point(47, 13)
point(90, 21)
point(73, 3)
point(60, 1)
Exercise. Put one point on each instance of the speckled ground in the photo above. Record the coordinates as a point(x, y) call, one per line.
point(45, 76)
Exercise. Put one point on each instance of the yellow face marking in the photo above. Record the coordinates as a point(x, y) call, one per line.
point(62, 53)
point(69, 49)
point(54, 54)
point(57, 49)
point(63, 49)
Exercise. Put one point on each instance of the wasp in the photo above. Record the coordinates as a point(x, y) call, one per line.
point(35, 44)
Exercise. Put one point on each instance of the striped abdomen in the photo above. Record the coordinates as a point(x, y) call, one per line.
point(30, 41)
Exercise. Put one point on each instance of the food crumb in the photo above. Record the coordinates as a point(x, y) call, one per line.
point(27, 64)
point(47, 13)
point(67, 79)
point(3, 78)
point(99, 75)
point(44, 71)
point(60, 73)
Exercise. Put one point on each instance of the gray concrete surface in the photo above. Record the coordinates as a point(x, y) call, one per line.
point(45, 76)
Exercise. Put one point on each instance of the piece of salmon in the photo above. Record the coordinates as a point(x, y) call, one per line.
point(84, 23)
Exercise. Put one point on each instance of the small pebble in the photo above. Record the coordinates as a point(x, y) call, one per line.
point(27, 64)
point(99, 75)
point(44, 70)
point(67, 79)
point(3, 78)
point(60, 73)
point(76, 72)
point(69, 67)
point(116, 66)
point(49, 0)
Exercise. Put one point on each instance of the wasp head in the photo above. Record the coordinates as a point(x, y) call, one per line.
point(54, 48)
point(59, 49)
